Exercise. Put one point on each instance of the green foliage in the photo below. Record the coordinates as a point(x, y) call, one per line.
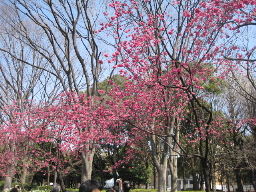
point(214, 85)
point(74, 190)
point(190, 190)
point(143, 190)
point(117, 79)
point(153, 190)
point(104, 190)
point(136, 171)
point(100, 164)
point(1, 185)
point(137, 190)
point(46, 187)
point(29, 187)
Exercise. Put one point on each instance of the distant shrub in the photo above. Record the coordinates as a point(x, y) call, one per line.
point(73, 190)
point(45, 188)
point(143, 190)
point(1, 185)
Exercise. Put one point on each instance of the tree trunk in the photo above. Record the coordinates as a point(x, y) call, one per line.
point(228, 183)
point(239, 180)
point(31, 176)
point(213, 177)
point(213, 183)
point(155, 178)
point(62, 184)
point(160, 163)
point(48, 175)
point(173, 159)
point(194, 175)
point(195, 180)
point(8, 178)
point(161, 173)
point(173, 164)
point(87, 158)
point(184, 186)
point(55, 177)
point(206, 173)
point(202, 186)
point(174, 179)
point(23, 175)
point(253, 179)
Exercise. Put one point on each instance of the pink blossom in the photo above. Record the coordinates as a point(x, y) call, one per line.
point(186, 13)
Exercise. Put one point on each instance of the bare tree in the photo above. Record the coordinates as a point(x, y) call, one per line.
point(240, 111)
point(21, 82)
point(68, 46)
point(240, 54)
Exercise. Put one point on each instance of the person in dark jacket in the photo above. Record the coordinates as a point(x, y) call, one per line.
point(126, 186)
point(122, 186)
point(16, 188)
point(90, 186)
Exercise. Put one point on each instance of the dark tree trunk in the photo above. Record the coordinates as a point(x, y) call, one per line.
point(206, 173)
point(253, 179)
point(62, 184)
point(239, 180)
point(195, 178)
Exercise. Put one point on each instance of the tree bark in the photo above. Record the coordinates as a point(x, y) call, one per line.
point(253, 179)
point(8, 178)
point(206, 173)
point(162, 179)
point(173, 161)
point(62, 184)
point(160, 163)
point(87, 158)
point(239, 180)
point(174, 179)
point(194, 175)
point(23, 175)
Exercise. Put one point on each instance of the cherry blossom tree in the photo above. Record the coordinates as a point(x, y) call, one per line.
point(75, 125)
point(19, 143)
point(165, 48)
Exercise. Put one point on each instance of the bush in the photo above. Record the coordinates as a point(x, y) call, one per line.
point(143, 190)
point(29, 187)
point(1, 185)
point(44, 188)
point(73, 190)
